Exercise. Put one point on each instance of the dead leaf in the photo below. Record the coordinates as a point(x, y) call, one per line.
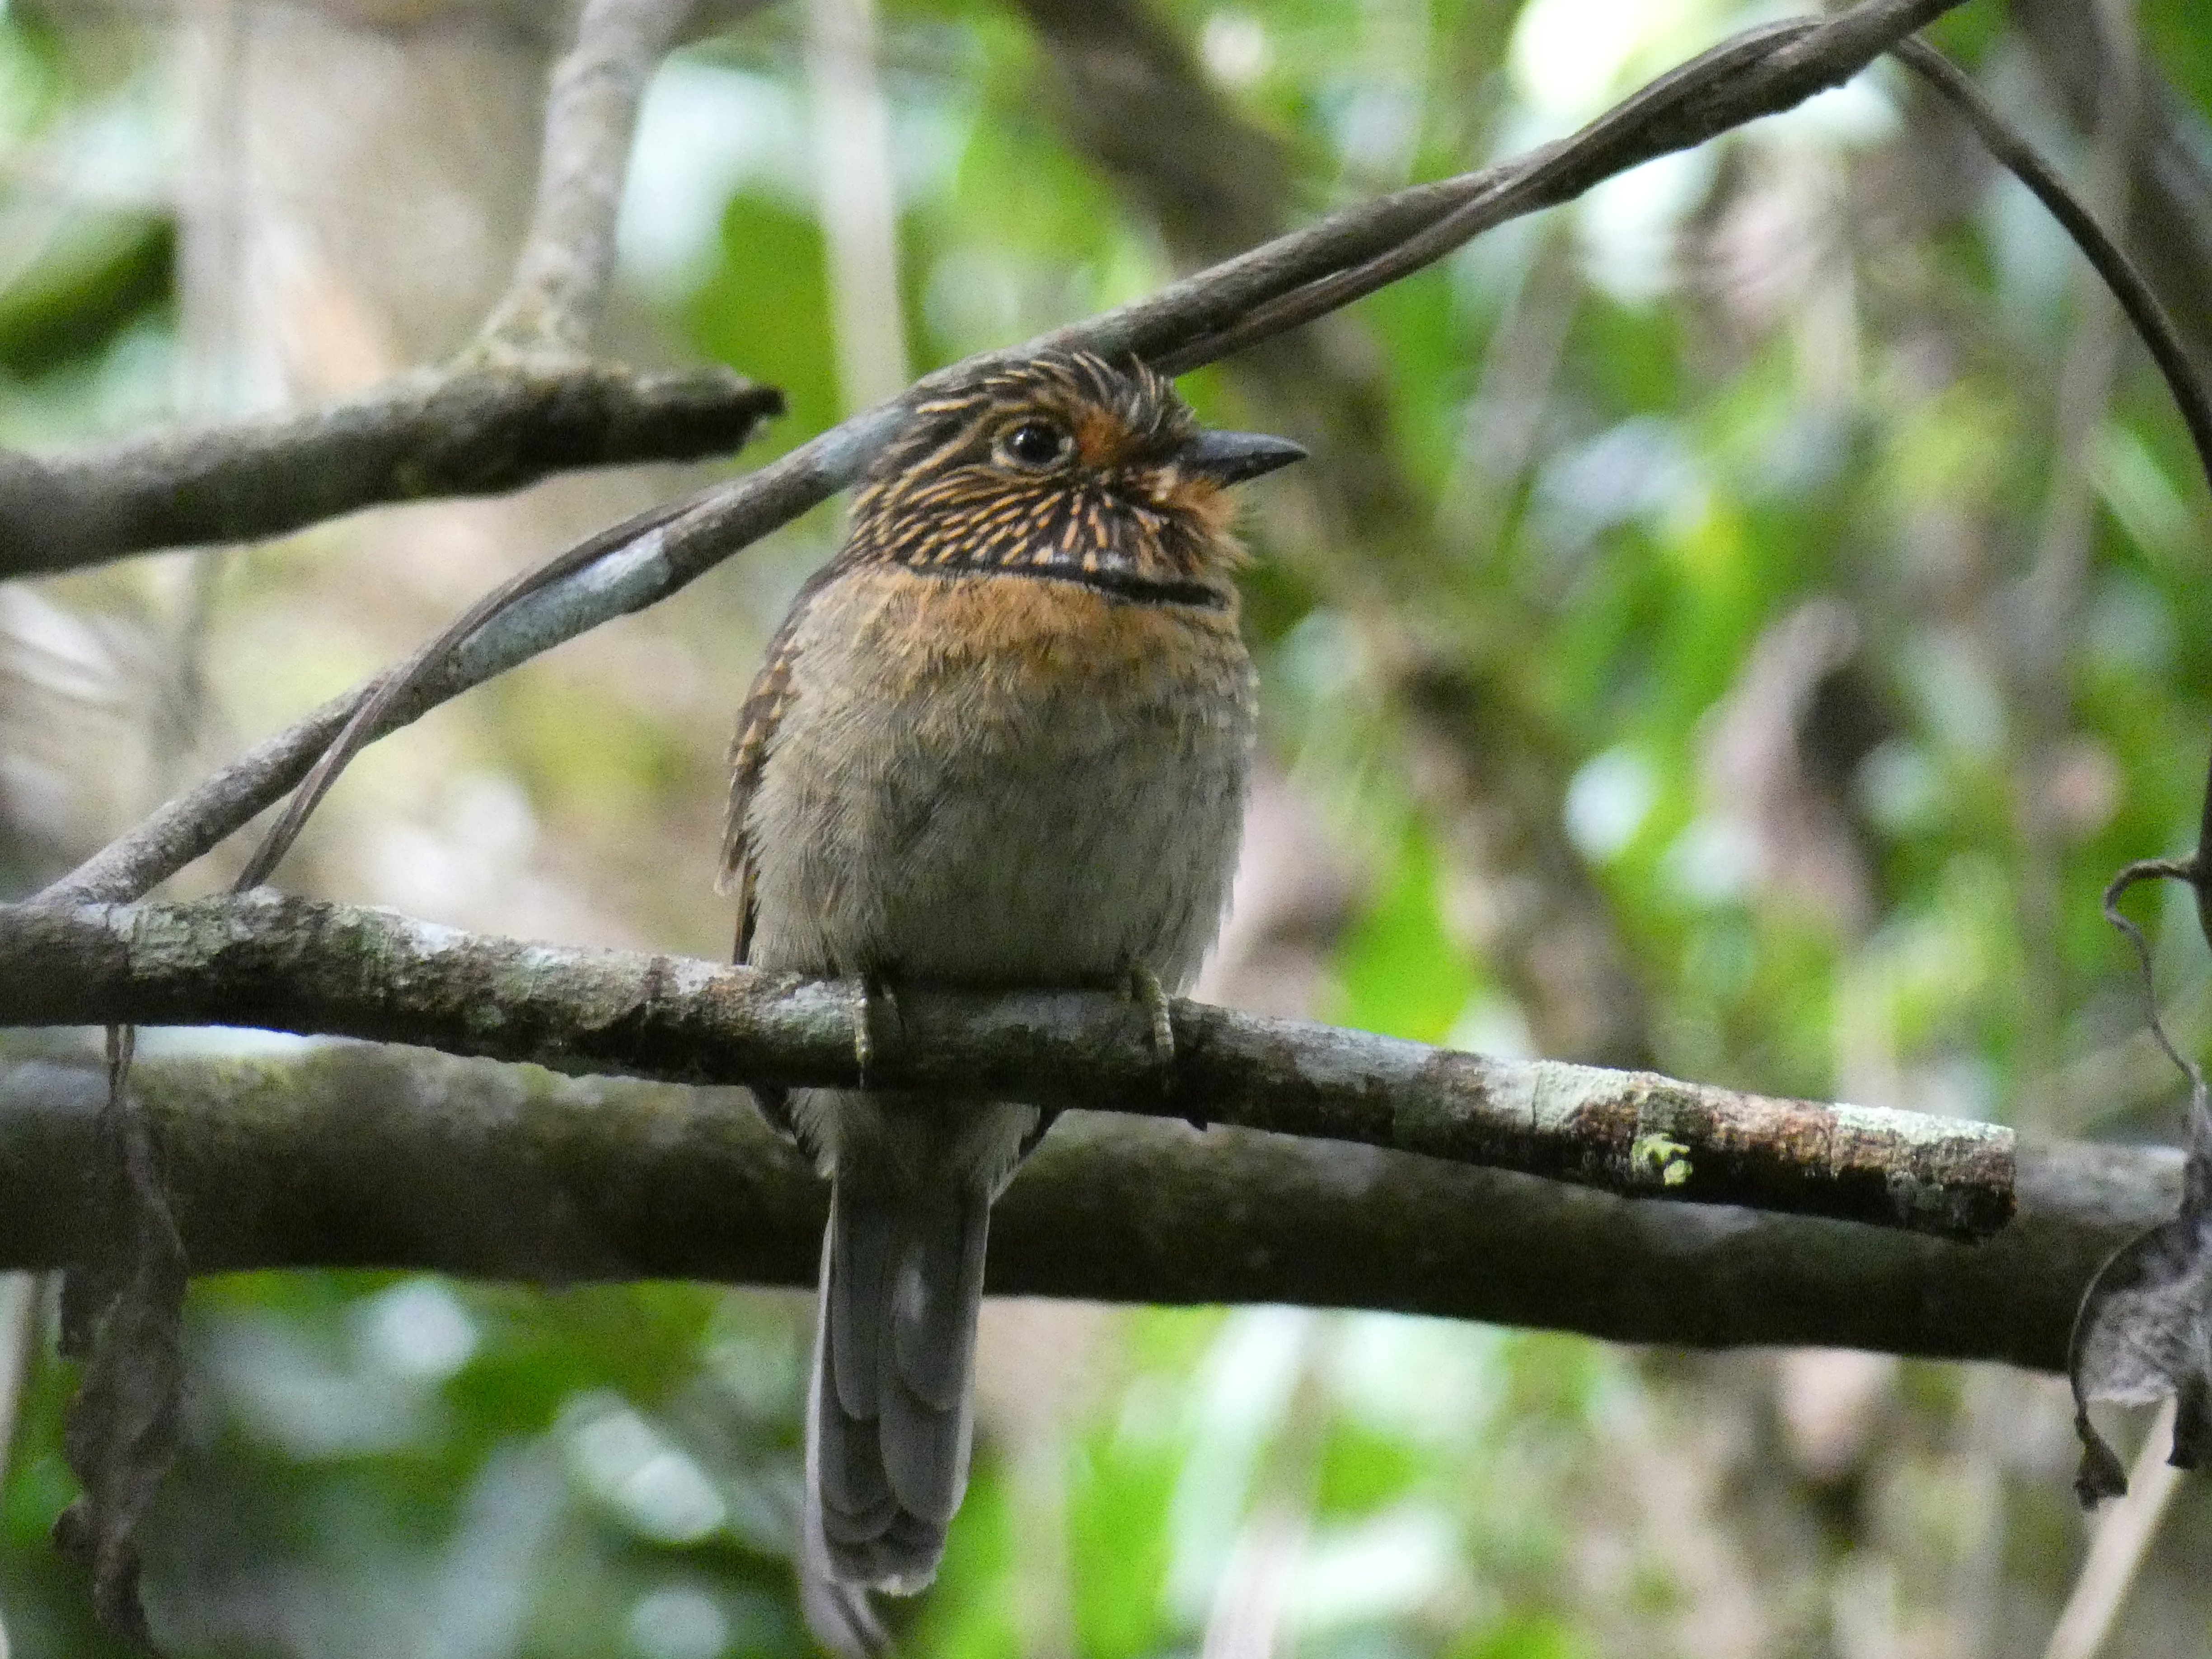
point(127, 1307)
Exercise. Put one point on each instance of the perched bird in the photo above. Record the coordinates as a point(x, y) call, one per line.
point(1001, 740)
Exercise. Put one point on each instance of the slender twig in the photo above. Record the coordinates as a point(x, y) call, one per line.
point(2124, 1533)
point(1761, 72)
point(1545, 180)
point(376, 709)
point(19, 1317)
point(288, 964)
point(2169, 225)
point(592, 111)
point(190, 825)
point(2127, 284)
point(2184, 870)
point(2196, 871)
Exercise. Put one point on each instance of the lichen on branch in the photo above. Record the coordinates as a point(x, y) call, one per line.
point(289, 964)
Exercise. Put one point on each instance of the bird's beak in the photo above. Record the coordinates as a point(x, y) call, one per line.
point(1231, 457)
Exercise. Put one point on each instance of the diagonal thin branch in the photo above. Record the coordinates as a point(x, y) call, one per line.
point(2152, 324)
point(2169, 191)
point(289, 964)
point(1761, 72)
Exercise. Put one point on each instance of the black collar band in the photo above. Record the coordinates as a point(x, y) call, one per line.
point(1137, 590)
point(1122, 584)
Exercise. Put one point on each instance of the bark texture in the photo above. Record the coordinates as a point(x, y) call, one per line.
point(354, 1155)
point(288, 964)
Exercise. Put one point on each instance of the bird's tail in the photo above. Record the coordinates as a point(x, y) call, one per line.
point(893, 1410)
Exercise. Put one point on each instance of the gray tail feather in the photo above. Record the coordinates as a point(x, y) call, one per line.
point(839, 1614)
point(893, 1411)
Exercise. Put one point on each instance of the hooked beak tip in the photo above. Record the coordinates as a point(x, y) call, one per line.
point(1230, 458)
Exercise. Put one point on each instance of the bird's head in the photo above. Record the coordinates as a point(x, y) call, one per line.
point(1063, 464)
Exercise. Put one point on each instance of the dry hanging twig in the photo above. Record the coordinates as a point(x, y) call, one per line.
point(2144, 1330)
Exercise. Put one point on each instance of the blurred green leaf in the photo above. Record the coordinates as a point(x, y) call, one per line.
point(765, 312)
point(1119, 1491)
point(1400, 973)
point(1519, 1639)
point(1363, 1470)
point(95, 273)
point(974, 1611)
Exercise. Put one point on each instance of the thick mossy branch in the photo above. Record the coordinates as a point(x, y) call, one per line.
point(288, 964)
point(351, 1155)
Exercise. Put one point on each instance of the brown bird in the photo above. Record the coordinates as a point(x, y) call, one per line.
point(1001, 739)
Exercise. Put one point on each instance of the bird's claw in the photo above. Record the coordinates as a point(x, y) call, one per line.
point(864, 1040)
point(1152, 997)
point(1144, 986)
point(868, 992)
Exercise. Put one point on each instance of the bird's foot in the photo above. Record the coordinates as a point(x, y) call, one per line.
point(869, 993)
point(864, 1042)
point(1145, 985)
point(1152, 997)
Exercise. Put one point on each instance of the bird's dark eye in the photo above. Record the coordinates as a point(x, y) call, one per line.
point(1034, 443)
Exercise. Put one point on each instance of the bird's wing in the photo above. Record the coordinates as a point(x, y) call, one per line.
point(758, 717)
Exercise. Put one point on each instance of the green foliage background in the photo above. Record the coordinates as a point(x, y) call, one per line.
point(1852, 403)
